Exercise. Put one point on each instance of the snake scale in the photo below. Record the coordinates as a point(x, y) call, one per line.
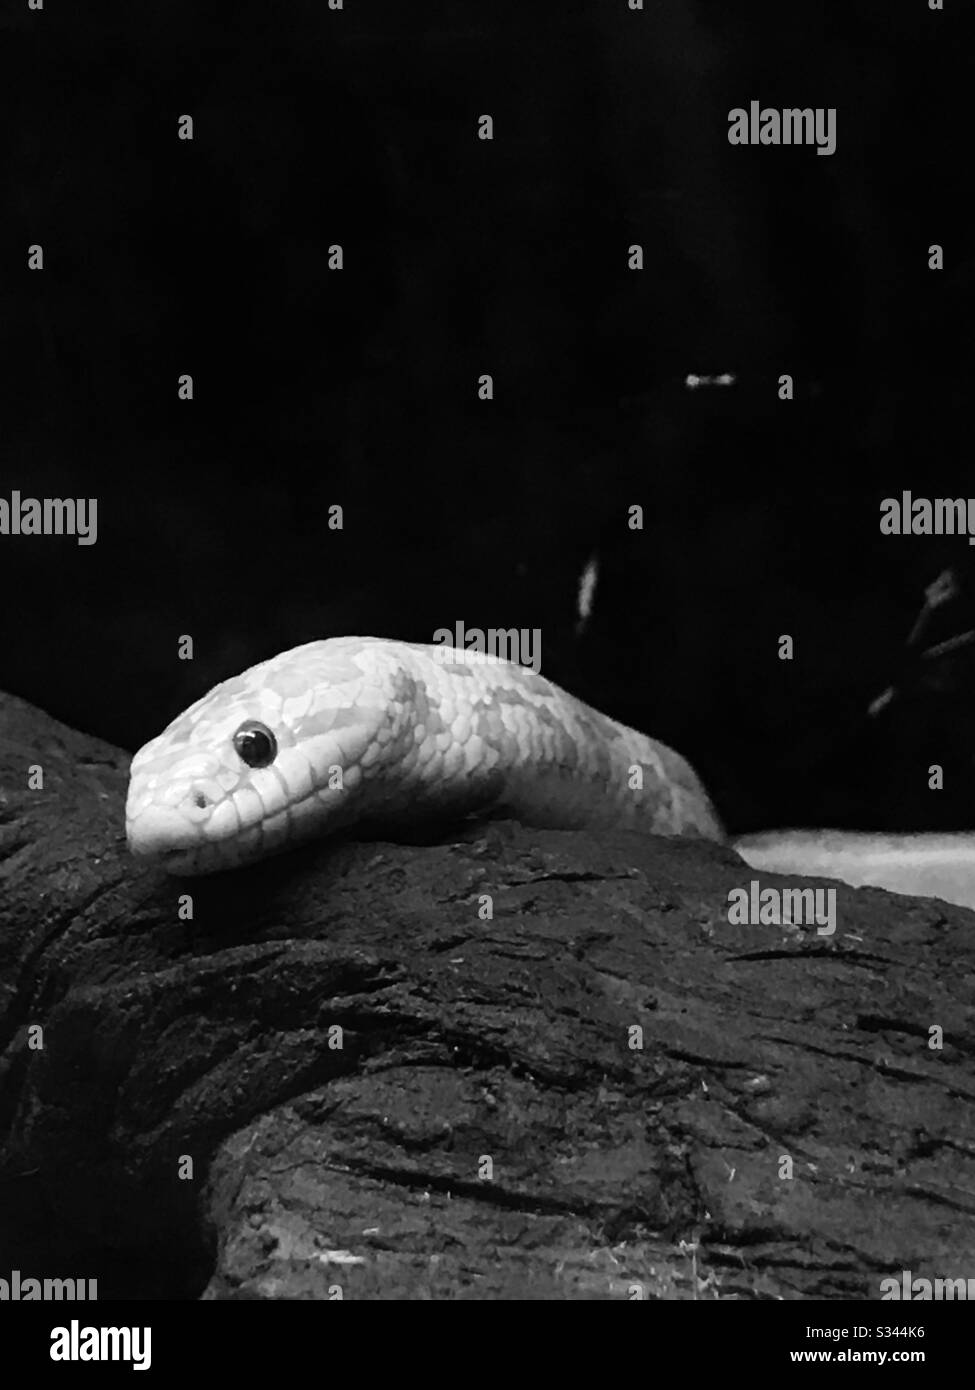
point(367, 732)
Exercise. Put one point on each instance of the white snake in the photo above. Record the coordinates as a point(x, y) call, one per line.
point(374, 733)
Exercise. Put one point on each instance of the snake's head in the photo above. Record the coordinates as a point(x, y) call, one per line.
point(264, 761)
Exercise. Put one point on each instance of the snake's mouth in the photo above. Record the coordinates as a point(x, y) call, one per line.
point(202, 857)
point(183, 863)
point(172, 859)
point(164, 838)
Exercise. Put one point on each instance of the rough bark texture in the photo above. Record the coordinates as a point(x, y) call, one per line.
point(486, 1127)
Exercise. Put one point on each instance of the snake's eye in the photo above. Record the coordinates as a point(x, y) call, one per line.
point(255, 743)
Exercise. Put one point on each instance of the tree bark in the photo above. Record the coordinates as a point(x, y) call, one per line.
point(514, 1064)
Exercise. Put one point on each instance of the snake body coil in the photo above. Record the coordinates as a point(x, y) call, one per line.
point(380, 735)
point(364, 731)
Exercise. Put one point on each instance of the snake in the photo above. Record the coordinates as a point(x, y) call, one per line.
point(375, 736)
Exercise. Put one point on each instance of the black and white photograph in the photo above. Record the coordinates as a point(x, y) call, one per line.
point(487, 668)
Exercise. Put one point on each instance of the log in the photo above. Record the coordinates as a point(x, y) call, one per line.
point(511, 1064)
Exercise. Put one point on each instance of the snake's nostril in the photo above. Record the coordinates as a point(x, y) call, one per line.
point(200, 799)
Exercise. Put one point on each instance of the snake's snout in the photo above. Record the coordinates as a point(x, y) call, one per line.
point(163, 820)
point(157, 830)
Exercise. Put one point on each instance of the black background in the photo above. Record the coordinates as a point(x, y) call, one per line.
point(358, 387)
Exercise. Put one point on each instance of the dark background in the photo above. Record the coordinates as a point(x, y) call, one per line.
point(358, 388)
